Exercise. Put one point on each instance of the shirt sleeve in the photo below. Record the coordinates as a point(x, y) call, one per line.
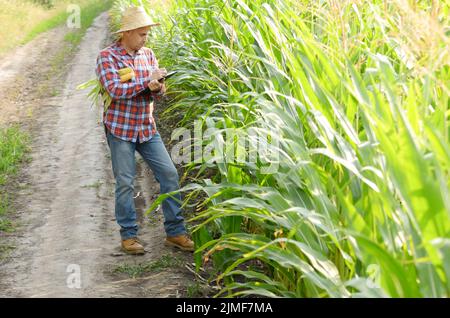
point(108, 75)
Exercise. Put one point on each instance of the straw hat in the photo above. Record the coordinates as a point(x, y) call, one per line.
point(135, 18)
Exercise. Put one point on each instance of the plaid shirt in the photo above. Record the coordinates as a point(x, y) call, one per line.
point(130, 114)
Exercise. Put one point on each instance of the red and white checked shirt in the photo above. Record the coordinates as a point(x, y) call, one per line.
point(130, 114)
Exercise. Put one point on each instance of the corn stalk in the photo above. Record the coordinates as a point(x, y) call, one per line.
point(359, 205)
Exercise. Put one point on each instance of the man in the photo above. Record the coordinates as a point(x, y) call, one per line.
point(130, 127)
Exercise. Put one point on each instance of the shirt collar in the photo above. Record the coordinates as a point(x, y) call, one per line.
point(122, 51)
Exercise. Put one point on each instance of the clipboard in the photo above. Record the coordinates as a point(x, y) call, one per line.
point(170, 74)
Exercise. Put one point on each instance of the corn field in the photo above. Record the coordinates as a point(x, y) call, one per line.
point(353, 97)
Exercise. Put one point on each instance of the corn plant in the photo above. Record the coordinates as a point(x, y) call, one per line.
point(356, 95)
point(98, 94)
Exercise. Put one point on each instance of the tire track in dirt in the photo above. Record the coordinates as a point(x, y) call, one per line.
point(67, 208)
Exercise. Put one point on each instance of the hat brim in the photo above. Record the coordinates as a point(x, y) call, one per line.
point(129, 29)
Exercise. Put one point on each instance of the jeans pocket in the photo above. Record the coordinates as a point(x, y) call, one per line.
point(107, 133)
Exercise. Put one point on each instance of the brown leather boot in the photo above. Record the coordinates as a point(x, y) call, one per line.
point(181, 241)
point(132, 246)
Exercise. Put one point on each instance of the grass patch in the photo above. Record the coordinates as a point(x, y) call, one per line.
point(13, 149)
point(23, 20)
point(58, 62)
point(137, 270)
point(95, 185)
point(197, 289)
point(89, 10)
point(88, 14)
point(46, 25)
point(5, 250)
point(5, 224)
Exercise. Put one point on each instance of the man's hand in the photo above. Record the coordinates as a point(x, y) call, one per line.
point(158, 74)
point(155, 86)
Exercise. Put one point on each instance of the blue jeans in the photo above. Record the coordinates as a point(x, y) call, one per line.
point(124, 167)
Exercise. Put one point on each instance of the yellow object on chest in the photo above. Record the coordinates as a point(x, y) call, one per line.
point(126, 74)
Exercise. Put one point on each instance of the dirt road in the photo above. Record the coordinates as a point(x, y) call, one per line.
point(67, 242)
